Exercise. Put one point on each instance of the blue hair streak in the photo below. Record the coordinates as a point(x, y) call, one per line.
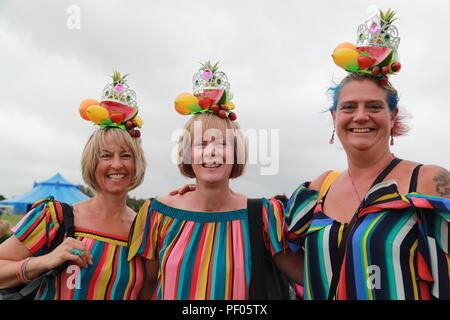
point(391, 95)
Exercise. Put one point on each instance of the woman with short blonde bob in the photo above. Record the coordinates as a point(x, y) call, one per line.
point(213, 126)
point(92, 154)
point(112, 164)
point(197, 245)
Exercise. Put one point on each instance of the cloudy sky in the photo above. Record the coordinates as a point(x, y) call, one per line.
point(277, 58)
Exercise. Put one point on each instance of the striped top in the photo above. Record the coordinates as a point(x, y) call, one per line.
point(391, 252)
point(202, 255)
point(110, 277)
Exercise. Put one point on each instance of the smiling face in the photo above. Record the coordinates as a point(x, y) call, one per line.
point(115, 167)
point(212, 148)
point(212, 156)
point(362, 118)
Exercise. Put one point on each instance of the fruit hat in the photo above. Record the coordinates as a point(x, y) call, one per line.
point(211, 94)
point(117, 108)
point(375, 51)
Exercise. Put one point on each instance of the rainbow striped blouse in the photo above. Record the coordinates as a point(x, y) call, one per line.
point(391, 252)
point(110, 277)
point(202, 255)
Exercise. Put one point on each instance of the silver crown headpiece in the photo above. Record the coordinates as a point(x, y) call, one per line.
point(378, 32)
point(209, 78)
point(119, 91)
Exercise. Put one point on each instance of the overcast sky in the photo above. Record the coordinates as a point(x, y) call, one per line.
point(277, 58)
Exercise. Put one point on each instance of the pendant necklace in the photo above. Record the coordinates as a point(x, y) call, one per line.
point(353, 182)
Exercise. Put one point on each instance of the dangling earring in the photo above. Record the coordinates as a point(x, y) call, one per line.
point(392, 140)
point(332, 137)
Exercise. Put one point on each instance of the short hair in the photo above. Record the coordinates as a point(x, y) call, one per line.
point(392, 98)
point(212, 121)
point(94, 145)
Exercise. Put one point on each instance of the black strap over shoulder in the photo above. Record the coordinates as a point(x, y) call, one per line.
point(67, 228)
point(268, 283)
point(386, 171)
point(254, 209)
point(414, 179)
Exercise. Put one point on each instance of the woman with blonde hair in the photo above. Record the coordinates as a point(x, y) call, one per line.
point(197, 245)
point(95, 257)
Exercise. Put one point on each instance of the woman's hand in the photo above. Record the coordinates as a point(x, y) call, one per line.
point(185, 189)
point(151, 279)
point(12, 252)
point(63, 253)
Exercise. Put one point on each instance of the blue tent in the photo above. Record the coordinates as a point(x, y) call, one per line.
point(58, 187)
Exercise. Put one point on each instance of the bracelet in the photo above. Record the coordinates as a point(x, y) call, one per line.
point(18, 272)
point(22, 270)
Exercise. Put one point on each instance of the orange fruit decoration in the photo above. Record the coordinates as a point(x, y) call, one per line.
point(97, 114)
point(183, 103)
point(345, 57)
point(342, 45)
point(86, 103)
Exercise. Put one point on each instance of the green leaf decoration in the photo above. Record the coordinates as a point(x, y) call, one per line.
point(352, 68)
point(194, 107)
point(118, 78)
point(108, 123)
point(394, 56)
point(387, 16)
point(200, 111)
point(209, 66)
point(365, 53)
point(229, 96)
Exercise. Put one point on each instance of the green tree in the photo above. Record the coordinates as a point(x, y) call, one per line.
point(87, 191)
point(2, 197)
point(134, 203)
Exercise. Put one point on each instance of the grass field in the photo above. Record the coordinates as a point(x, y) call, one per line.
point(13, 219)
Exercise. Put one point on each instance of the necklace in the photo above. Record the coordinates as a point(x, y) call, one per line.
point(354, 187)
point(353, 182)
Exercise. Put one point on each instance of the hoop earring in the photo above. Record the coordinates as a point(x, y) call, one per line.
point(332, 137)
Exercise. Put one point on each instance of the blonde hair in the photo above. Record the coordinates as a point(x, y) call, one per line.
point(91, 152)
point(211, 121)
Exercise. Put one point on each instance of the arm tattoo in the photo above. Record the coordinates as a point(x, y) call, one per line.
point(442, 180)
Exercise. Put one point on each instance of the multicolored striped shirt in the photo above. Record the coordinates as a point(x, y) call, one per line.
point(202, 255)
point(392, 252)
point(110, 277)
